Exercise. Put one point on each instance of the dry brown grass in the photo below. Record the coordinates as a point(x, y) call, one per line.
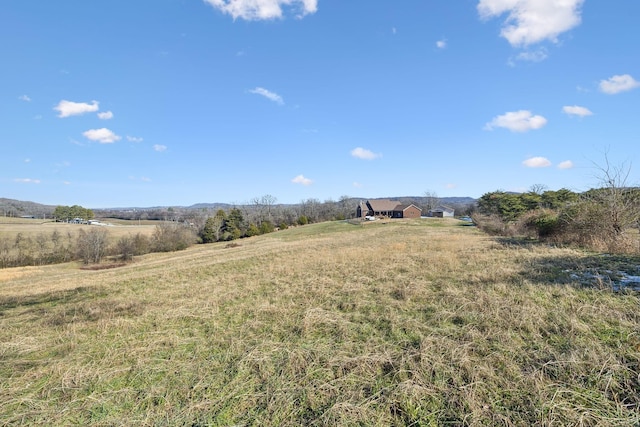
point(397, 323)
point(10, 227)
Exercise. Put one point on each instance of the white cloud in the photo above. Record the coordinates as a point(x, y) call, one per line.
point(134, 138)
point(300, 179)
point(537, 162)
point(362, 153)
point(255, 10)
point(618, 84)
point(451, 186)
point(576, 111)
point(517, 121)
point(24, 98)
point(27, 180)
point(27, 160)
point(102, 135)
point(532, 21)
point(357, 184)
point(159, 148)
point(68, 108)
point(268, 94)
point(106, 115)
point(567, 164)
point(537, 55)
point(441, 44)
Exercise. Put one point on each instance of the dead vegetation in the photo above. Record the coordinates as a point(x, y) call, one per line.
point(406, 323)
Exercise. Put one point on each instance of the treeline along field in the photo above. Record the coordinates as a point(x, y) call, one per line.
point(25, 242)
point(422, 322)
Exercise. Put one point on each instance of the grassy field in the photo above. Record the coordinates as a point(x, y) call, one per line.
point(10, 227)
point(409, 323)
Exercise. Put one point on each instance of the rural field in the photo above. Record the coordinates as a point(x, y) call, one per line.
point(10, 227)
point(396, 323)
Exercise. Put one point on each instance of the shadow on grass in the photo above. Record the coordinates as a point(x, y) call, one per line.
point(617, 272)
point(50, 299)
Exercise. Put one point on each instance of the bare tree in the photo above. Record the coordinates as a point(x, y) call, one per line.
point(431, 200)
point(538, 189)
point(620, 199)
point(345, 207)
point(92, 245)
point(264, 206)
point(604, 215)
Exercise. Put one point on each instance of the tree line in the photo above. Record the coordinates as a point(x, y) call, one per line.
point(91, 245)
point(606, 218)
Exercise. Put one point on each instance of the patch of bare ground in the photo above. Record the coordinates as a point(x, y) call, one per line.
point(397, 323)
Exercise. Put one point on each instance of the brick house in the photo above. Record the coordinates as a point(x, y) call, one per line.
point(388, 208)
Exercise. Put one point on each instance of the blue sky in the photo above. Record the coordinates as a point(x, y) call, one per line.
point(176, 102)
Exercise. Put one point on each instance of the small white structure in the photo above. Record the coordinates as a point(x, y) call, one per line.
point(441, 212)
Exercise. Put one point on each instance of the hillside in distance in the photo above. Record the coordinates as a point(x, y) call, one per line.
point(18, 208)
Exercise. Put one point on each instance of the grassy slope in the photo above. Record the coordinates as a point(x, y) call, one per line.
point(400, 323)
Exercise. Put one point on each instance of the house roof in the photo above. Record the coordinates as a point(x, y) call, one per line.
point(405, 207)
point(442, 209)
point(386, 205)
point(383, 205)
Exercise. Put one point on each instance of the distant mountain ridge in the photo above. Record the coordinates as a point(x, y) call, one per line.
point(17, 208)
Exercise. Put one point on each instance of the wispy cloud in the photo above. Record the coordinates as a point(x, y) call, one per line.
point(68, 108)
point(268, 94)
point(537, 55)
point(617, 84)
point(537, 162)
point(24, 98)
point(441, 44)
point(532, 21)
point(517, 121)
point(363, 153)
point(102, 135)
point(27, 181)
point(567, 164)
point(142, 178)
point(575, 110)
point(134, 138)
point(106, 115)
point(159, 147)
point(300, 179)
point(255, 10)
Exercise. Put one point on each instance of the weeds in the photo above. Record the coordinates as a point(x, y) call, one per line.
point(402, 323)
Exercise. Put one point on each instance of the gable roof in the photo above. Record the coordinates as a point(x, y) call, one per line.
point(405, 207)
point(384, 205)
